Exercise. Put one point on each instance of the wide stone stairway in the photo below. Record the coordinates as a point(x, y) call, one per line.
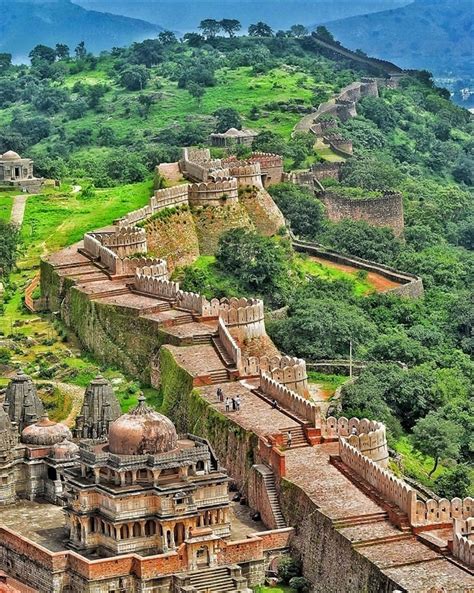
point(214, 580)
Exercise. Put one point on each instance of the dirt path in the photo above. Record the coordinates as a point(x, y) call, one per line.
point(379, 282)
point(18, 209)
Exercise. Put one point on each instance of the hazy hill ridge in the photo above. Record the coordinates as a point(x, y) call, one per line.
point(432, 34)
point(24, 24)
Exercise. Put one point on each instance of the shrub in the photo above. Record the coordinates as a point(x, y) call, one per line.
point(300, 584)
point(288, 568)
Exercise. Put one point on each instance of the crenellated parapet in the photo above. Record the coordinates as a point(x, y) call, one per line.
point(169, 197)
point(290, 400)
point(155, 286)
point(155, 268)
point(288, 370)
point(248, 175)
point(393, 489)
point(443, 510)
point(463, 542)
point(245, 317)
point(214, 193)
point(367, 436)
point(126, 241)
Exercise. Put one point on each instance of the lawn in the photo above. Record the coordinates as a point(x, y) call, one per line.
point(279, 589)
point(325, 271)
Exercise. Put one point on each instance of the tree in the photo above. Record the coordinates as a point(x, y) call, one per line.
point(5, 62)
point(260, 29)
point(300, 584)
point(134, 78)
point(76, 109)
point(194, 39)
point(268, 141)
point(167, 37)
point(304, 212)
point(148, 52)
point(62, 51)
point(455, 482)
point(437, 437)
point(230, 26)
point(288, 569)
point(325, 34)
point(210, 27)
point(227, 117)
point(146, 101)
point(80, 51)
point(42, 53)
point(10, 235)
point(196, 90)
point(299, 31)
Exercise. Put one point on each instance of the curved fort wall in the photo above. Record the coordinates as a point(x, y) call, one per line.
point(126, 241)
point(213, 193)
point(289, 371)
point(384, 211)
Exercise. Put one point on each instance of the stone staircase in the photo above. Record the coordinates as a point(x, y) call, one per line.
point(298, 437)
point(219, 376)
point(213, 580)
point(270, 486)
point(361, 519)
point(394, 514)
point(202, 339)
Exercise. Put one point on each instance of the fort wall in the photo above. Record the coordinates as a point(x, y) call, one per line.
point(213, 193)
point(289, 371)
point(126, 241)
point(385, 211)
point(338, 144)
point(289, 399)
point(463, 544)
point(229, 344)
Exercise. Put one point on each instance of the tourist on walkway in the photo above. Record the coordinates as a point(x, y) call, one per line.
point(289, 439)
point(354, 431)
point(227, 404)
point(220, 394)
point(274, 404)
point(237, 403)
point(234, 405)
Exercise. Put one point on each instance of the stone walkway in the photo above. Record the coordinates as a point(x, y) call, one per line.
point(18, 209)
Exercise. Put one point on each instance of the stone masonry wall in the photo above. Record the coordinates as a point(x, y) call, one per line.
point(385, 211)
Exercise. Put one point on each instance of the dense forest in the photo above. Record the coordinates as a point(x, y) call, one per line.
point(108, 120)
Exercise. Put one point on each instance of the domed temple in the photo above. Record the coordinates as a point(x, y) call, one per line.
point(18, 172)
point(147, 490)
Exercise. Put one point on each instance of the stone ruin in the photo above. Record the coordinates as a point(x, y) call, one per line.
point(18, 172)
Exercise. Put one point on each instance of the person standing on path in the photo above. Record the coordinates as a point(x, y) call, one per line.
point(220, 394)
point(289, 439)
point(237, 403)
point(227, 404)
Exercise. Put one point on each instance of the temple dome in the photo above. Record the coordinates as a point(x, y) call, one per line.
point(45, 433)
point(142, 432)
point(65, 450)
point(10, 155)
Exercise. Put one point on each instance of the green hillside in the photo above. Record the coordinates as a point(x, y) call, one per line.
point(103, 123)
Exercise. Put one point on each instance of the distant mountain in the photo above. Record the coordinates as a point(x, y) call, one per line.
point(26, 23)
point(185, 15)
point(428, 34)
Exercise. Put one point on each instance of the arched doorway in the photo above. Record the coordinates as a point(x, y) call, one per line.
point(202, 556)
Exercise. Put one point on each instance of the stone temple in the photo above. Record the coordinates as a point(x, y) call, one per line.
point(18, 172)
point(133, 490)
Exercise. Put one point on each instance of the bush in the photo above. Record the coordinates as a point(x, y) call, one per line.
point(300, 584)
point(288, 568)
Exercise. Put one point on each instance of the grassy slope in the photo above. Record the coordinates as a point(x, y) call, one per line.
point(60, 218)
point(6, 202)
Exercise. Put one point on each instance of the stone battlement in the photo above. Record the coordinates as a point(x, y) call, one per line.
point(246, 174)
point(126, 241)
point(463, 544)
point(367, 436)
point(213, 192)
point(289, 399)
point(289, 371)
